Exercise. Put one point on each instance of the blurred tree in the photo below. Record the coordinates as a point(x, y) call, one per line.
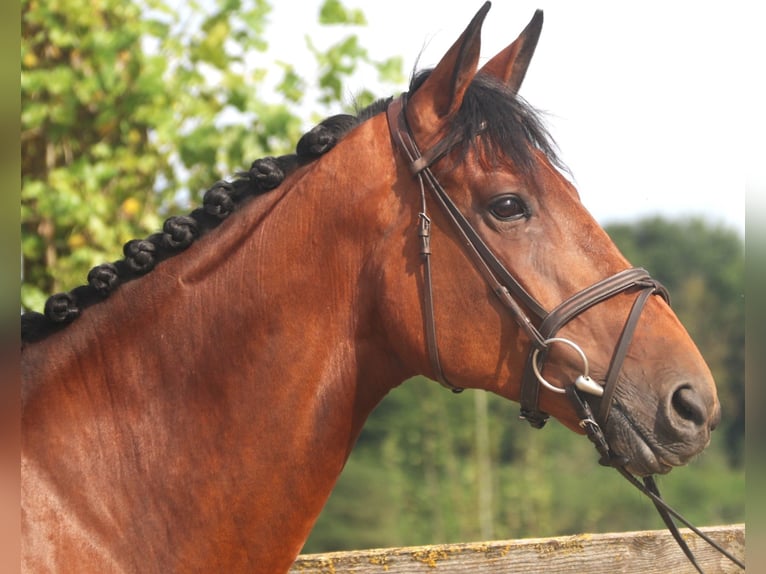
point(131, 108)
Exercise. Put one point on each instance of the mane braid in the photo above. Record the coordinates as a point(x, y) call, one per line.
point(180, 231)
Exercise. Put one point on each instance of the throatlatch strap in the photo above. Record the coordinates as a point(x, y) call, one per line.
point(404, 143)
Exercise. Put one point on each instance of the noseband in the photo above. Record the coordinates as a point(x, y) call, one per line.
point(539, 325)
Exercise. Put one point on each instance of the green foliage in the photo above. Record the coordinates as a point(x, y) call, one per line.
point(343, 59)
point(333, 12)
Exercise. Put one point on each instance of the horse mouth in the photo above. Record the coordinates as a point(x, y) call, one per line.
point(641, 450)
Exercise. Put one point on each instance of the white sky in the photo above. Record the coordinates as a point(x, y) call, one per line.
point(645, 99)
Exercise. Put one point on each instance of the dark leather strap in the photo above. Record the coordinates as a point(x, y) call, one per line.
point(442, 148)
point(484, 260)
point(618, 357)
point(571, 308)
point(501, 282)
point(506, 288)
point(395, 116)
point(593, 295)
point(430, 321)
point(651, 486)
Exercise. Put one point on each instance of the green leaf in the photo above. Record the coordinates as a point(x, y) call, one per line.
point(292, 86)
point(333, 12)
point(390, 70)
point(32, 298)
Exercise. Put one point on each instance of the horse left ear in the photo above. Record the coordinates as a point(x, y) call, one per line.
point(441, 94)
point(510, 65)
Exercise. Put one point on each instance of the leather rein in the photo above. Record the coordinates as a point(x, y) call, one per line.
point(539, 325)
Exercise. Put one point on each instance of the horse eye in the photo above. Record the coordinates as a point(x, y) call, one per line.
point(508, 208)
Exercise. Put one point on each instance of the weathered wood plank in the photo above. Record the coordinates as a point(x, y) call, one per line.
point(644, 552)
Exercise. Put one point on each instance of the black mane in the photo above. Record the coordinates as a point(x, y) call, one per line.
point(512, 130)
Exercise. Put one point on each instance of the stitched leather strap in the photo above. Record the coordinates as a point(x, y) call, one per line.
point(501, 282)
point(621, 350)
point(571, 308)
point(395, 116)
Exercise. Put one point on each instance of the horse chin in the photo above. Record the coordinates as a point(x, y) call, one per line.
point(629, 440)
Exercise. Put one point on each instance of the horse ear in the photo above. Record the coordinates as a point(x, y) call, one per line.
point(442, 92)
point(510, 65)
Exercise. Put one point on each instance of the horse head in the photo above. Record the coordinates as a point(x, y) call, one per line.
point(466, 131)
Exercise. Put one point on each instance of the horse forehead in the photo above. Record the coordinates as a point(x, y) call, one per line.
point(494, 175)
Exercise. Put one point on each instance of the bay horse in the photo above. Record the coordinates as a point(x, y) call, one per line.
point(191, 407)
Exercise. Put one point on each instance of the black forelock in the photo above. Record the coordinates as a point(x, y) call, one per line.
point(511, 129)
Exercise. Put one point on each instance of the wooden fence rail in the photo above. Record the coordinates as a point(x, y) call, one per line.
point(644, 552)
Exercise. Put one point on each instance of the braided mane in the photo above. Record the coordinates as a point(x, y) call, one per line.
point(180, 231)
point(514, 129)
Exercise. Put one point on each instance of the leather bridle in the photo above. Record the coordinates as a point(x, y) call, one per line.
point(539, 325)
point(543, 325)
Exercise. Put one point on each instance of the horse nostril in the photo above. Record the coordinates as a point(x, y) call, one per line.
point(689, 406)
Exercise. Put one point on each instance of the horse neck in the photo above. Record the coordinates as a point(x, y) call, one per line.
point(248, 362)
